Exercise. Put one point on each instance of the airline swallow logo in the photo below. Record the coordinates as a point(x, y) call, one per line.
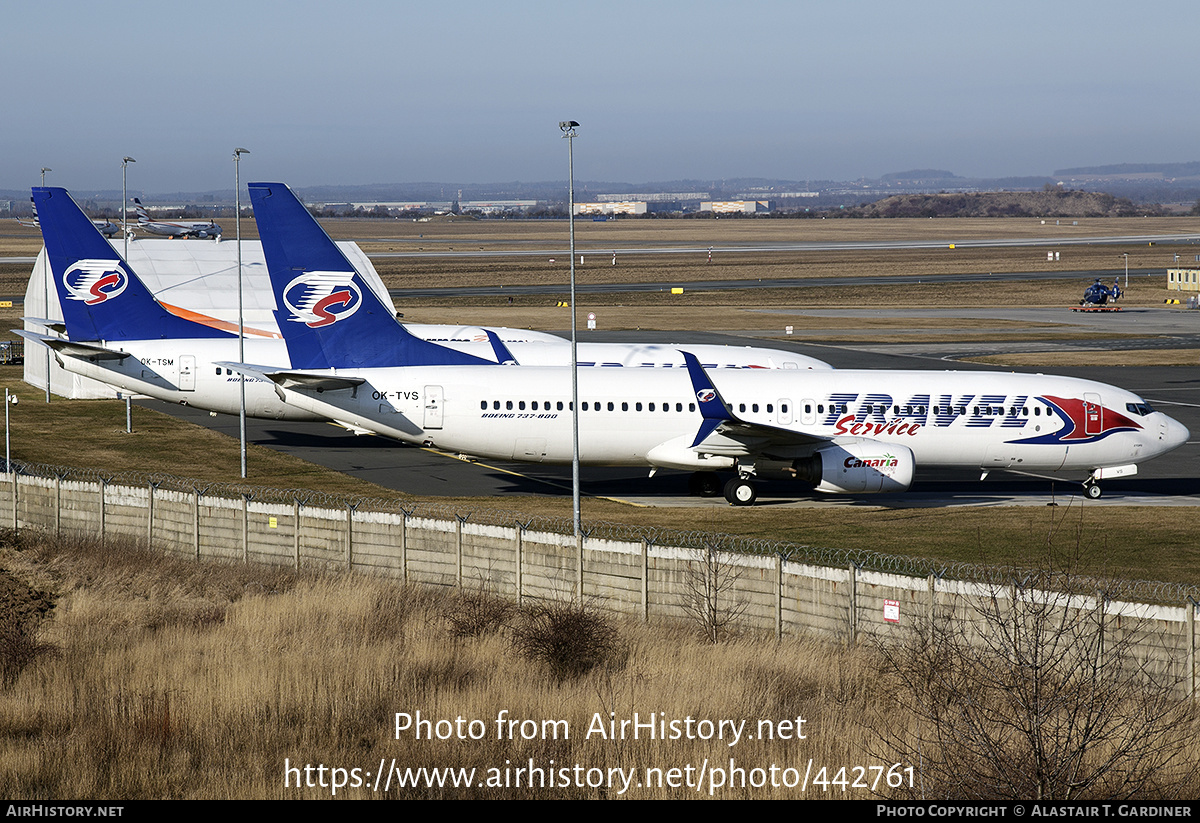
point(95, 281)
point(321, 298)
point(705, 395)
point(1084, 421)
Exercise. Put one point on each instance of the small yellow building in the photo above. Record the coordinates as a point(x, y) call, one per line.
point(1183, 279)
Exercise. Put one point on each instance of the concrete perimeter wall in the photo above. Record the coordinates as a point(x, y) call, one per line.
point(760, 593)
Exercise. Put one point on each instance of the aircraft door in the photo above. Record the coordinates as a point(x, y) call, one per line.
point(808, 411)
point(785, 411)
point(187, 372)
point(433, 407)
point(1093, 414)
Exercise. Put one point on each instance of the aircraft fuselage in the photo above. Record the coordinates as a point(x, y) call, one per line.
point(949, 419)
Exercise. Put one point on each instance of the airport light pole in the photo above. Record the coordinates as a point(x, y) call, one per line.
point(9, 400)
point(125, 161)
point(237, 223)
point(46, 294)
point(1126, 256)
point(568, 129)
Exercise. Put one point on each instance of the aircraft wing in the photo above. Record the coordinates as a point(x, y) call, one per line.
point(90, 351)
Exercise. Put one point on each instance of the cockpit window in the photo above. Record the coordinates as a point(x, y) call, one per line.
point(1142, 409)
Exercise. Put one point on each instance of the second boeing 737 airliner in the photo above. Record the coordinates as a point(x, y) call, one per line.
point(848, 431)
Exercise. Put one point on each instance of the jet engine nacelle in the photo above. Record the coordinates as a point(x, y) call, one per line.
point(867, 466)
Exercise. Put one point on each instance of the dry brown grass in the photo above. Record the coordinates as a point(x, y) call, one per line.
point(1114, 357)
point(167, 685)
point(597, 240)
point(704, 233)
point(174, 680)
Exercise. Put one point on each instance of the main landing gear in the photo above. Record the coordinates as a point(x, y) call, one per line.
point(1092, 489)
point(739, 491)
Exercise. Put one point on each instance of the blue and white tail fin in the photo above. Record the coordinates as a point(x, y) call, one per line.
point(101, 297)
point(327, 313)
point(142, 215)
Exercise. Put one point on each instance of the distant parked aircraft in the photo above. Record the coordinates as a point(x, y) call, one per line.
point(106, 227)
point(175, 228)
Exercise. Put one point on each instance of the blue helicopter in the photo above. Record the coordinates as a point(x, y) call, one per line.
point(1099, 294)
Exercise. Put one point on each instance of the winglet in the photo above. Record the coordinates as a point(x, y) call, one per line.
point(712, 405)
point(503, 356)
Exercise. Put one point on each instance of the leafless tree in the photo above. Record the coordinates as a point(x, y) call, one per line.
point(710, 594)
point(1033, 692)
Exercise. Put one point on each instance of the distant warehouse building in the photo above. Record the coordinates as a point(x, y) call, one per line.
point(496, 206)
point(1183, 279)
point(736, 206)
point(627, 207)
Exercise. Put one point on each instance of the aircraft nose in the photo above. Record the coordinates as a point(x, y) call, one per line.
point(1176, 434)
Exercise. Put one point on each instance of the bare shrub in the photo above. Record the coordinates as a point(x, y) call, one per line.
point(1033, 693)
point(710, 595)
point(476, 612)
point(22, 609)
point(570, 638)
point(11, 539)
point(19, 646)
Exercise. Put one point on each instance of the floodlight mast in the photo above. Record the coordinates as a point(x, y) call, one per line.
point(125, 161)
point(237, 223)
point(568, 129)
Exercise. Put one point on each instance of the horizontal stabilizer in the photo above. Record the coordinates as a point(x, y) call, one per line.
point(294, 379)
point(315, 382)
point(53, 325)
point(66, 348)
point(353, 429)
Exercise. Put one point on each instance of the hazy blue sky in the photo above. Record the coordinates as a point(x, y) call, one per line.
point(372, 91)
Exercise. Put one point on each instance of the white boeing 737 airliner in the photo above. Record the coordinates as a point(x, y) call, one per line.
point(847, 431)
point(119, 334)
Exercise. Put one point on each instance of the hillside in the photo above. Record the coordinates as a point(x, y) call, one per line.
point(1056, 203)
